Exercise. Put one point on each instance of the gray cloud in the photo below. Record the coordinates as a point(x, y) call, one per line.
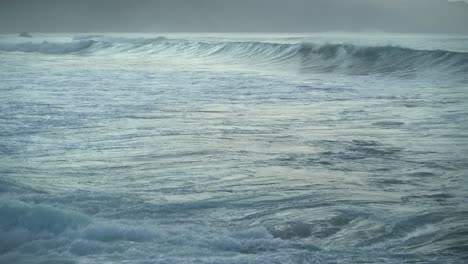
point(425, 16)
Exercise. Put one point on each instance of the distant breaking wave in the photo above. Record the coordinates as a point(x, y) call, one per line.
point(306, 57)
point(48, 47)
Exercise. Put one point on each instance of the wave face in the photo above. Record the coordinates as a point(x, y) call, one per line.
point(385, 59)
point(305, 57)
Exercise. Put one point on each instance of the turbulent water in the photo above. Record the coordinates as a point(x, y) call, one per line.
point(324, 148)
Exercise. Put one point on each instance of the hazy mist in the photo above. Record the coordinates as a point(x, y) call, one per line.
point(423, 16)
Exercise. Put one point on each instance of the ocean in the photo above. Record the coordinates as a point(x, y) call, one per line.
point(234, 148)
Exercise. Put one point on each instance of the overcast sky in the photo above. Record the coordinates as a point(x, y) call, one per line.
point(423, 16)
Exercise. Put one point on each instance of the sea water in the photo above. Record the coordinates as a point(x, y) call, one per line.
point(230, 148)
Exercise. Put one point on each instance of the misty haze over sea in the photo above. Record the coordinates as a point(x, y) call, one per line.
point(234, 131)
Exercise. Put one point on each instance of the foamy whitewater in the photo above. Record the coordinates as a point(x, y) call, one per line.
point(185, 148)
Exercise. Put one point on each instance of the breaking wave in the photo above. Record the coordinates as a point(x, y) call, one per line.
point(48, 47)
point(347, 58)
point(34, 233)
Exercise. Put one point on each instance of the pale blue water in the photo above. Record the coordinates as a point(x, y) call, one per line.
point(323, 148)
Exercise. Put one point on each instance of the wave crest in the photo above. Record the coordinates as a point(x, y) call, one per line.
point(305, 57)
point(48, 47)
